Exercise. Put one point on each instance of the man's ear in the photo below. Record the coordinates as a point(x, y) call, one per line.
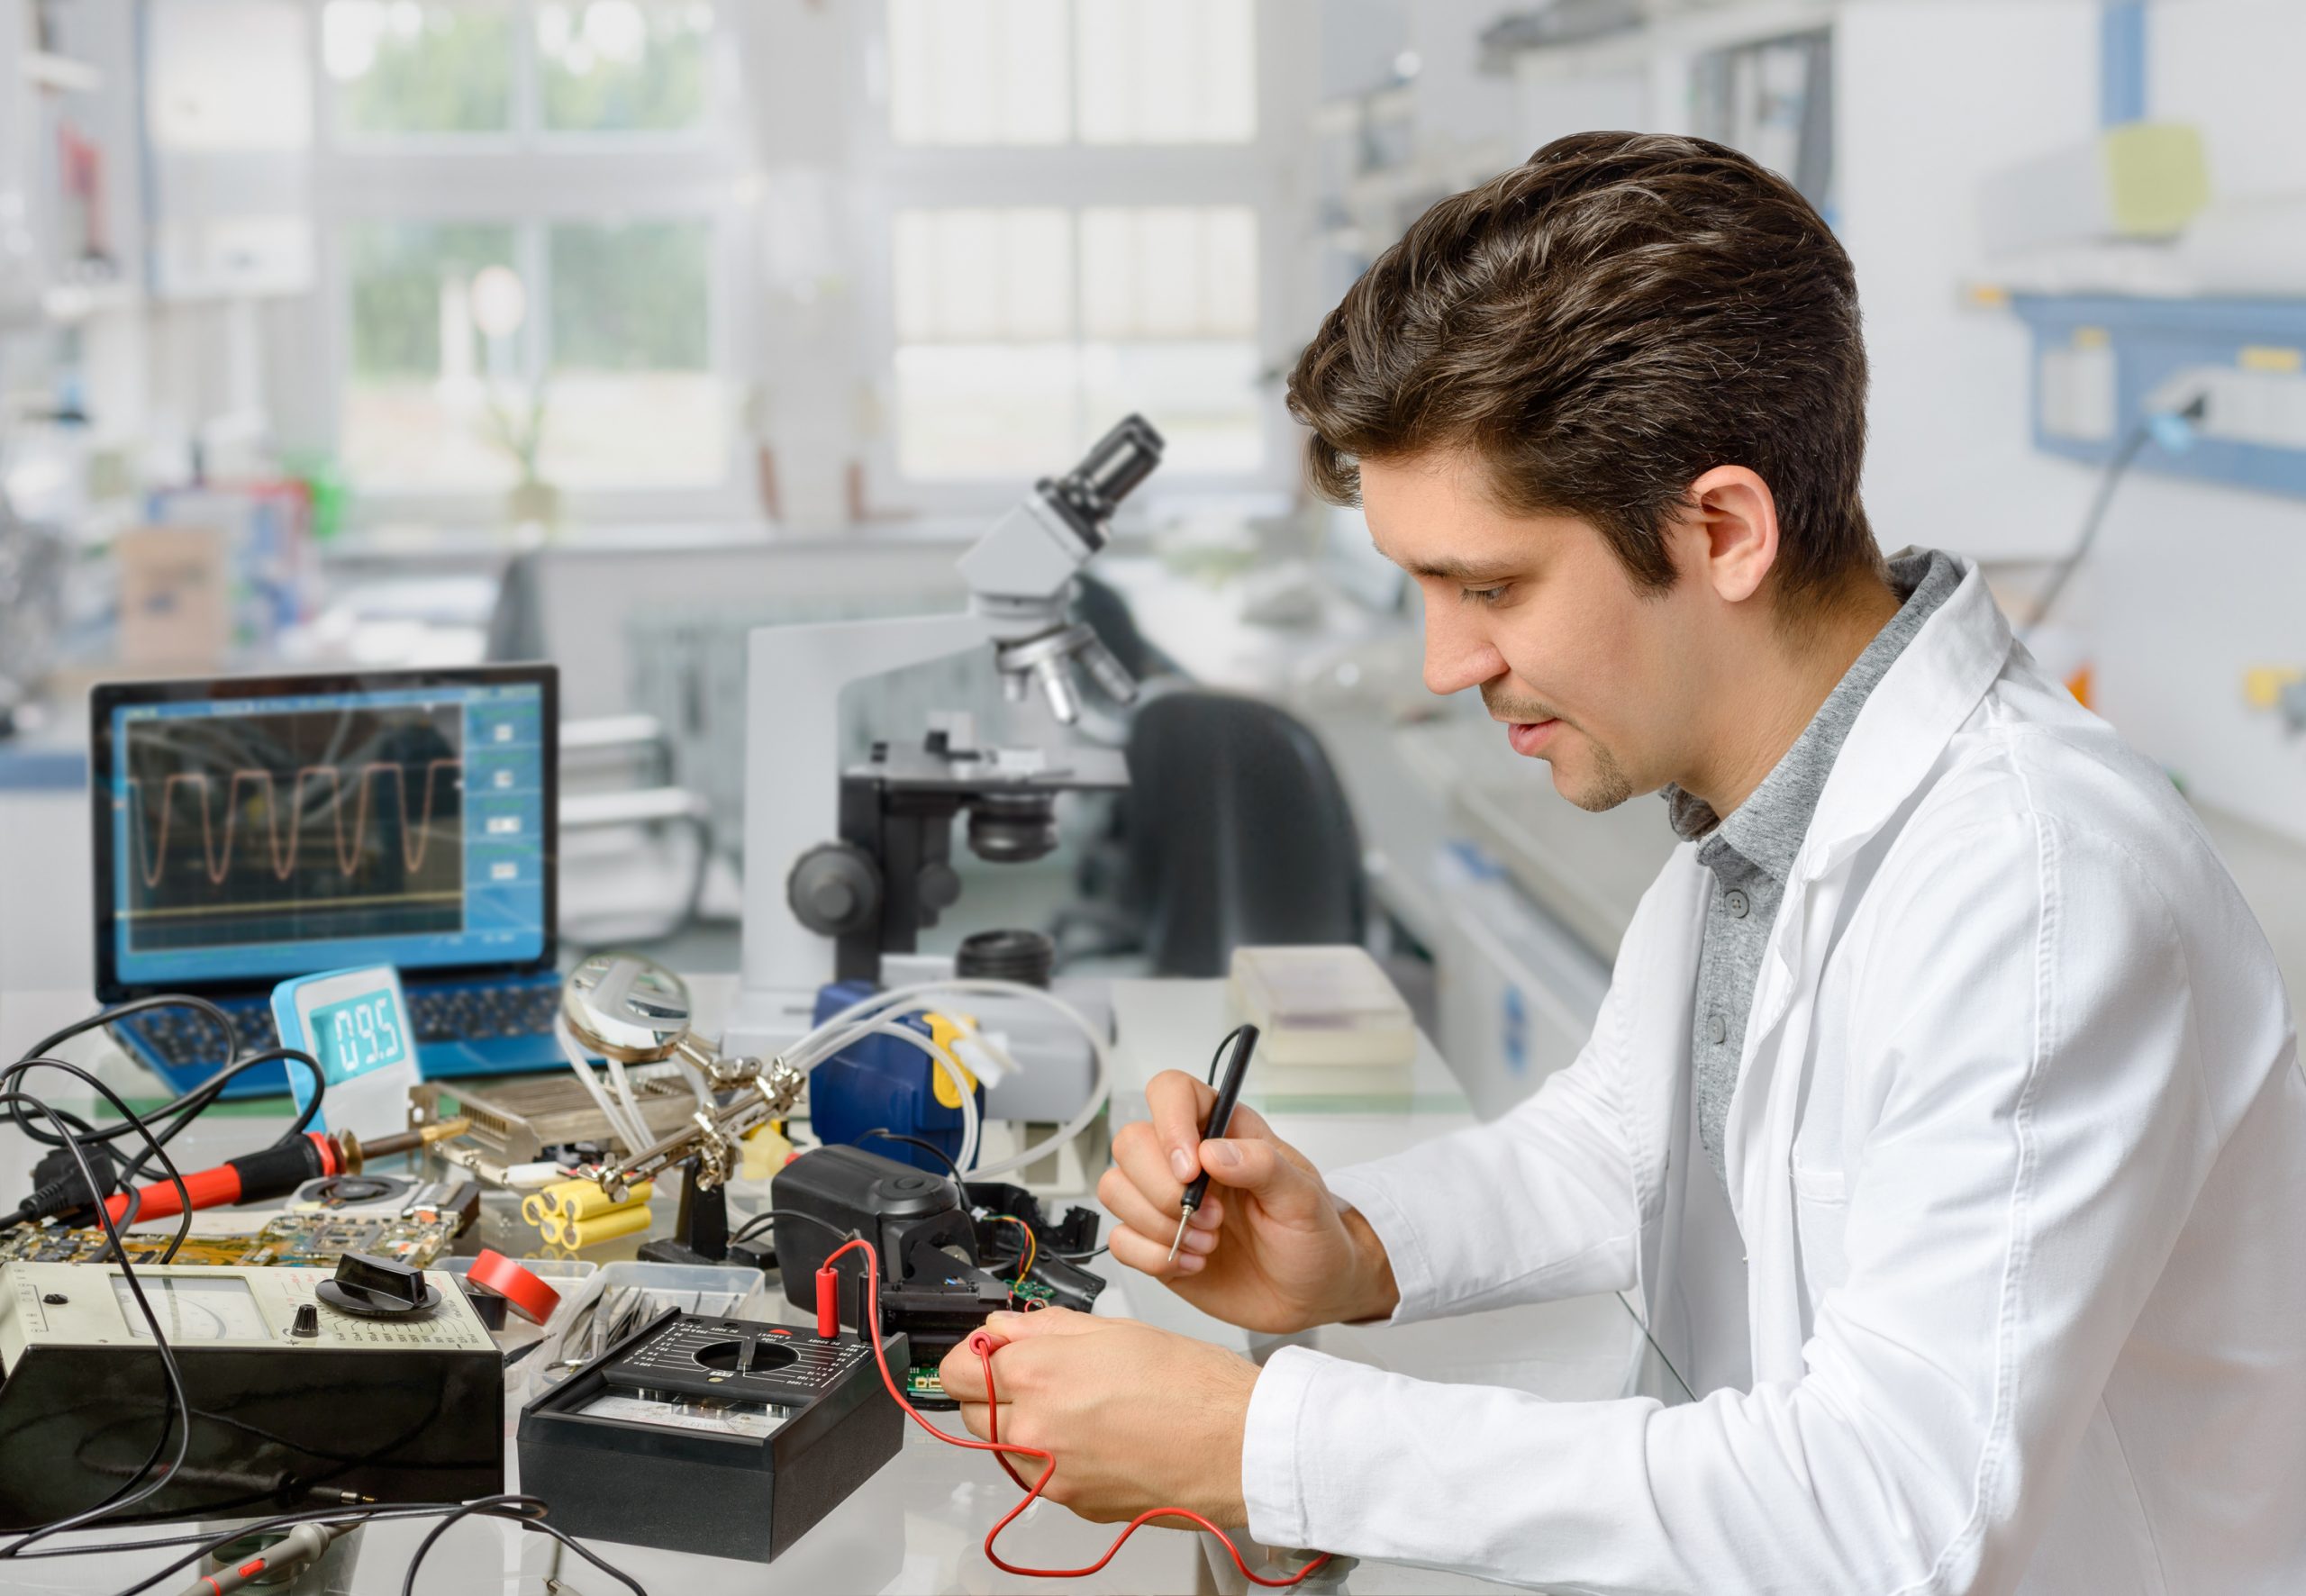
point(1735, 515)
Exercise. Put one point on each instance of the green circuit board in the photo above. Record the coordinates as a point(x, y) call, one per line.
point(310, 1240)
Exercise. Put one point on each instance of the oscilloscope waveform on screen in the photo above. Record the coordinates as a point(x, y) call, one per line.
point(293, 825)
point(152, 856)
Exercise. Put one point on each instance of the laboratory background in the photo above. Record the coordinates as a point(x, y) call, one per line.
point(636, 526)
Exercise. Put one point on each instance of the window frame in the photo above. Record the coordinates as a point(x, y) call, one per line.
point(529, 179)
point(1267, 174)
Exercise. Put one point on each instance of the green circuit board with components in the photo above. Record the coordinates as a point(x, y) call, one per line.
point(309, 1239)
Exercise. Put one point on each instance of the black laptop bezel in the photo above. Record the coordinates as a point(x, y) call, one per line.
point(105, 697)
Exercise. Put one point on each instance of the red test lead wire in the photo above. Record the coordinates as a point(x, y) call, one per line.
point(982, 1345)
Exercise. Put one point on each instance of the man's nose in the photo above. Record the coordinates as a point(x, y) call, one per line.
point(1458, 655)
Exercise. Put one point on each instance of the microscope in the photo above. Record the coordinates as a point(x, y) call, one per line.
point(842, 868)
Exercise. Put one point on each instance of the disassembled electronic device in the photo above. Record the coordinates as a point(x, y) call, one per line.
point(276, 1171)
point(456, 1196)
point(934, 1288)
point(290, 1240)
point(517, 1121)
point(294, 1400)
point(720, 1436)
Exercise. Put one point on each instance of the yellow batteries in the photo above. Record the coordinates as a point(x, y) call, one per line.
point(592, 1232)
point(579, 1200)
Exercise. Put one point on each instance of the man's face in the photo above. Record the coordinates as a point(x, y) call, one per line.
point(1587, 672)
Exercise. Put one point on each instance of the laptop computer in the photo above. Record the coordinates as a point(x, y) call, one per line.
point(252, 829)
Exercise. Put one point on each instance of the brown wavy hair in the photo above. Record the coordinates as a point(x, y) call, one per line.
point(1601, 325)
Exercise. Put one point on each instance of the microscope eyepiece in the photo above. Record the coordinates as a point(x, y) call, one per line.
point(1087, 494)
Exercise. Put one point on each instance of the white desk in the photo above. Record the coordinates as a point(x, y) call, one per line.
point(918, 1525)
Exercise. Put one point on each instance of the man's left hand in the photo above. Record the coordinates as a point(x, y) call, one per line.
point(1137, 1418)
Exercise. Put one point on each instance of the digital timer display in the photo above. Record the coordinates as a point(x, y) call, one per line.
point(355, 1025)
point(359, 1033)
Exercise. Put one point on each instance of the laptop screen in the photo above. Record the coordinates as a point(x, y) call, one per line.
point(248, 831)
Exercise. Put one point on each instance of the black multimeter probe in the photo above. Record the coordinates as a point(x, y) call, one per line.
point(1243, 1042)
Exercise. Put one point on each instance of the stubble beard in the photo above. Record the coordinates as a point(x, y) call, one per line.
point(1609, 785)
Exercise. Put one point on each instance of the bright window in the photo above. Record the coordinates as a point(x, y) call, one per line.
point(407, 69)
point(447, 342)
point(1023, 333)
point(631, 397)
point(614, 66)
point(968, 72)
point(423, 376)
point(519, 293)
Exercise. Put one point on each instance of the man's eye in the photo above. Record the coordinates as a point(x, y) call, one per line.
point(1481, 596)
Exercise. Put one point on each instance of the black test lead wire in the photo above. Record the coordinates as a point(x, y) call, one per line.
point(137, 1487)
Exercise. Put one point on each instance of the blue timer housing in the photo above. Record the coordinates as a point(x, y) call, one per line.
point(355, 1023)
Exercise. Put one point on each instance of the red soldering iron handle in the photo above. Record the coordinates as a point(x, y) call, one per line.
point(273, 1173)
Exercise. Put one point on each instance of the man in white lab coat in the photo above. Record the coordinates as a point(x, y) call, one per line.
point(1945, 1107)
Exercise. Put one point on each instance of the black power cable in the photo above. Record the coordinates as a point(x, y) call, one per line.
point(209, 1092)
point(930, 1147)
point(57, 1196)
point(137, 1487)
point(76, 1136)
point(527, 1511)
point(408, 1584)
point(755, 1225)
point(2193, 411)
point(198, 1005)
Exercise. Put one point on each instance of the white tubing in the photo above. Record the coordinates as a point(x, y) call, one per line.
point(693, 1075)
point(624, 1094)
point(840, 1030)
point(576, 1062)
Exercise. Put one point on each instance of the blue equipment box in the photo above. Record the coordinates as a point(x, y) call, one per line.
point(882, 1083)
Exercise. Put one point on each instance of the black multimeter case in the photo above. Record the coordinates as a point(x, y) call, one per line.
point(725, 1437)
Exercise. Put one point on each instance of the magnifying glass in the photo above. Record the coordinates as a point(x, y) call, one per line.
point(631, 1009)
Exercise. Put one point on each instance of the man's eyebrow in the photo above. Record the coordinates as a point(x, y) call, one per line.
point(1450, 569)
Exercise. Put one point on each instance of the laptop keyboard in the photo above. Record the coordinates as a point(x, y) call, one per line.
point(462, 1014)
point(184, 1039)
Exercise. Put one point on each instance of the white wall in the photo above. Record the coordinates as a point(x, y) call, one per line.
point(1930, 97)
point(2193, 584)
point(2234, 67)
point(814, 387)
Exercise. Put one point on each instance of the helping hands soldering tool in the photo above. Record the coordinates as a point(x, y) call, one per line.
point(1242, 1043)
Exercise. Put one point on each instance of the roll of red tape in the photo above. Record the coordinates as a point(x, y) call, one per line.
point(530, 1298)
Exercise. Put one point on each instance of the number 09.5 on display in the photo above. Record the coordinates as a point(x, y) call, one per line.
point(356, 1023)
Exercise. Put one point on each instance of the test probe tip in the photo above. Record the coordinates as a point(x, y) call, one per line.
point(1182, 1220)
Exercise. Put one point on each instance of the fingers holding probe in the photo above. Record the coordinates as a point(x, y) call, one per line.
point(1141, 1192)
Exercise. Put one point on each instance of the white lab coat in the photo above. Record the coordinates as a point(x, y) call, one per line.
point(2018, 1150)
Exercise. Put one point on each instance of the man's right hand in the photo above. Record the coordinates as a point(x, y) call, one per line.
point(1269, 1250)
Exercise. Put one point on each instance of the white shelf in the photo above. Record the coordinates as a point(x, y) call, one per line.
point(62, 72)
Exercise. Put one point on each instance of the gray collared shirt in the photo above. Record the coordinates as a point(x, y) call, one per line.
point(1751, 850)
